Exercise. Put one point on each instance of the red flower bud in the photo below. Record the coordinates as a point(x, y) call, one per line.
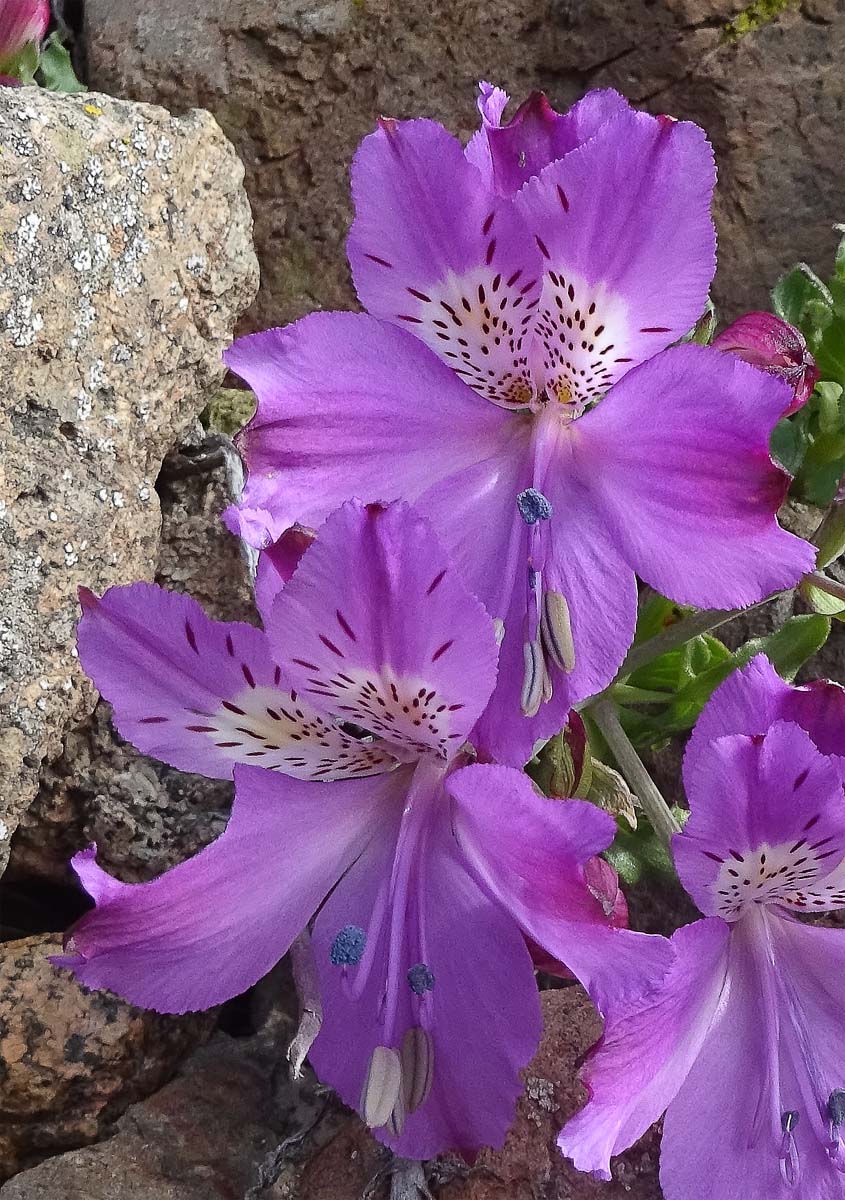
point(765, 341)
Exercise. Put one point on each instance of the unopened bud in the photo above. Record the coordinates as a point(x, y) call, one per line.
point(765, 341)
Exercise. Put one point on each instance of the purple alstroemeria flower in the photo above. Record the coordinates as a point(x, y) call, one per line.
point(21, 22)
point(510, 286)
point(765, 341)
point(422, 879)
point(743, 1045)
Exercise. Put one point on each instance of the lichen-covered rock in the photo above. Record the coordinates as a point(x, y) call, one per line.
point(126, 260)
point(297, 84)
point(71, 1060)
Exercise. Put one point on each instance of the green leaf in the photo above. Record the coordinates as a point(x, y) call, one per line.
point(830, 536)
point(790, 441)
point(821, 601)
point(827, 396)
point(55, 68)
point(23, 65)
point(788, 649)
point(795, 291)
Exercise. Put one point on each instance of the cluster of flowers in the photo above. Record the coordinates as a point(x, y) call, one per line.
point(480, 522)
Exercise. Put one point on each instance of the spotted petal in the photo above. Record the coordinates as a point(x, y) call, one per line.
point(432, 250)
point(628, 244)
point(767, 825)
point(407, 652)
point(203, 695)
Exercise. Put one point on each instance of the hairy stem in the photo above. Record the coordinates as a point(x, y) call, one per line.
point(603, 712)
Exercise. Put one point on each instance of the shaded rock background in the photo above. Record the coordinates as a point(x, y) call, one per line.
point(71, 1059)
point(297, 83)
point(213, 1132)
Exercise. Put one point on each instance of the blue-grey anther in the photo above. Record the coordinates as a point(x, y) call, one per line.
point(836, 1107)
point(348, 946)
point(420, 979)
point(533, 506)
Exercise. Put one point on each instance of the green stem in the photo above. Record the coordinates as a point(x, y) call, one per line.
point(624, 693)
point(603, 712)
point(831, 586)
point(697, 623)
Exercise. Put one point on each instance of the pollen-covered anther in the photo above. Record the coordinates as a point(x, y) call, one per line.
point(790, 1163)
point(347, 949)
point(499, 630)
point(381, 1087)
point(533, 506)
point(420, 979)
point(417, 1067)
point(556, 630)
point(533, 679)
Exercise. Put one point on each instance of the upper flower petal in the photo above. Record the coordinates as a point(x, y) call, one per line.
point(350, 406)
point(536, 134)
point(433, 250)
point(767, 825)
point(751, 700)
point(210, 927)
point(459, 994)
point(407, 652)
point(647, 1050)
point(534, 865)
point(203, 695)
point(677, 458)
point(624, 227)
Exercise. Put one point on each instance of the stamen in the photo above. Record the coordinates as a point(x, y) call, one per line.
point(836, 1112)
point(397, 1117)
point(533, 506)
point(347, 949)
point(417, 1067)
point(556, 630)
point(790, 1163)
point(532, 681)
point(420, 979)
point(381, 1087)
point(499, 630)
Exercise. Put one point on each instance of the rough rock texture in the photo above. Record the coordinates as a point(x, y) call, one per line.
point(127, 259)
point(144, 815)
point(70, 1060)
point(297, 84)
point(207, 1135)
point(529, 1167)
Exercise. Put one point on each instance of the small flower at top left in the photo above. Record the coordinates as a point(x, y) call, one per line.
point(347, 726)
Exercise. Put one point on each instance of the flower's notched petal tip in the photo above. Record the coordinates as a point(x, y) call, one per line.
point(388, 125)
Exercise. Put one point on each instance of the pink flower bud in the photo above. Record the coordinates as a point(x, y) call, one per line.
point(765, 341)
point(21, 22)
